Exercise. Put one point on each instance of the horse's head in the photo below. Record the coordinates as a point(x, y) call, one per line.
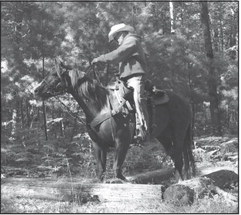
point(57, 82)
point(53, 84)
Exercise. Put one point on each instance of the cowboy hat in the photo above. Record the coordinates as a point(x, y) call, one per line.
point(118, 28)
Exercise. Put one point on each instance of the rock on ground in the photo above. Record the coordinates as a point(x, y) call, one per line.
point(186, 192)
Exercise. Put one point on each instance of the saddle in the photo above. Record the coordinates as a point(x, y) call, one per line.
point(155, 97)
point(155, 94)
point(124, 95)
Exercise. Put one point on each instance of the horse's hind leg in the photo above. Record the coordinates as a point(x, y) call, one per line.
point(166, 140)
point(100, 154)
point(173, 144)
point(188, 155)
point(178, 142)
point(186, 159)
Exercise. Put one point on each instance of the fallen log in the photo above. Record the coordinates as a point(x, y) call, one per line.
point(71, 191)
point(223, 178)
point(64, 190)
point(182, 193)
point(152, 177)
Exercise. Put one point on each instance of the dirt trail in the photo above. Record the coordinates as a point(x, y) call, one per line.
point(69, 196)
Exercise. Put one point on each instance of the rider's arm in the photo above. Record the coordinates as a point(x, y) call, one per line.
point(127, 48)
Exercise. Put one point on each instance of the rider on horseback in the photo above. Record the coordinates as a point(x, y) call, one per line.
point(132, 67)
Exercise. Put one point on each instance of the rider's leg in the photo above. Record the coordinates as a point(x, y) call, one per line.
point(137, 84)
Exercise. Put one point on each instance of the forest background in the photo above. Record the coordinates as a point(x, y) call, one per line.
point(192, 49)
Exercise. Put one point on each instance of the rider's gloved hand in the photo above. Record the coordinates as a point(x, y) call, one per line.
point(97, 60)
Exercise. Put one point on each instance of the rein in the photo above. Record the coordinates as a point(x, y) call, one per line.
point(71, 112)
point(100, 118)
point(87, 71)
point(91, 68)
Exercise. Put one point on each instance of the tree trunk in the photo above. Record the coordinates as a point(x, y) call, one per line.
point(222, 38)
point(17, 53)
point(28, 110)
point(14, 120)
point(189, 67)
point(212, 79)
point(43, 56)
point(221, 28)
point(182, 13)
point(216, 40)
point(164, 19)
point(22, 114)
point(45, 121)
point(38, 115)
point(233, 34)
point(171, 16)
point(43, 107)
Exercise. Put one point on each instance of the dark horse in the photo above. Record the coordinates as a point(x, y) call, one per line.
point(108, 129)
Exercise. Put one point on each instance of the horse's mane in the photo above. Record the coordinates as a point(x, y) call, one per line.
point(89, 87)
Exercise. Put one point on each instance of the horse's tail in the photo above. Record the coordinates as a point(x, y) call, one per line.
point(189, 162)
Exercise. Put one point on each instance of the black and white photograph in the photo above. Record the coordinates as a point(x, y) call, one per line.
point(119, 107)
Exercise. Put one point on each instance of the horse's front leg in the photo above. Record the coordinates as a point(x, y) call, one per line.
point(122, 145)
point(100, 154)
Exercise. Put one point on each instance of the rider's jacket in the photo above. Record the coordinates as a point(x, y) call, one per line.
point(130, 56)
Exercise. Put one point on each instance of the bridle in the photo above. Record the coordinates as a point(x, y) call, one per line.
point(64, 86)
point(63, 82)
